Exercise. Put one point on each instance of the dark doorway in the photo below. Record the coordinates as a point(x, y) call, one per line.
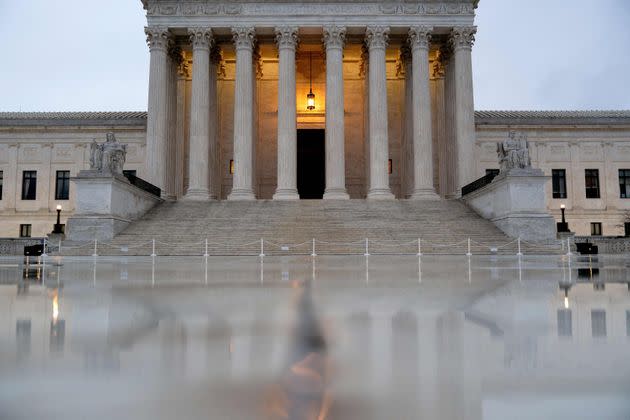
point(311, 161)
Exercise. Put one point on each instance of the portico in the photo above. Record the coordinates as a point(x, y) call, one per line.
point(227, 94)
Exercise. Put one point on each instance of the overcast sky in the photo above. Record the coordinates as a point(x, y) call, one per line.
point(84, 55)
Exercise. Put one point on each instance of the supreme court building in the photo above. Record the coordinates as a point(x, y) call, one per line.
point(323, 99)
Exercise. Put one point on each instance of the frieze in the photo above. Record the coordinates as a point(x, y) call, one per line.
point(190, 8)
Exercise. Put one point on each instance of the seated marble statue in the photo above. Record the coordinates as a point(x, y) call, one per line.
point(109, 157)
point(513, 153)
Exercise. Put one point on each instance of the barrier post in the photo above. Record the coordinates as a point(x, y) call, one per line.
point(419, 247)
point(262, 248)
point(520, 254)
point(95, 254)
point(59, 250)
point(153, 248)
point(367, 247)
point(206, 252)
point(568, 247)
point(313, 254)
point(469, 254)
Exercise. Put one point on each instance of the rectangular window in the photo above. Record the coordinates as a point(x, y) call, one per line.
point(626, 229)
point(559, 183)
point(29, 185)
point(596, 229)
point(598, 322)
point(1, 179)
point(591, 179)
point(624, 183)
point(62, 185)
point(565, 323)
point(130, 172)
point(494, 172)
point(25, 231)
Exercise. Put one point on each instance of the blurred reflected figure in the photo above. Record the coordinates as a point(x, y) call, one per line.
point(302, 392)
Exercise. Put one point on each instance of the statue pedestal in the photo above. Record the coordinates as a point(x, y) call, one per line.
point(105, 205)
point(515, 202)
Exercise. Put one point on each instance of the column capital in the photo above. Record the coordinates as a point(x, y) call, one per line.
point(286, 37)
point(200, 38)
point(334, 36)
point(158, 37)
point(244, 37)
point(420, 37)
point(462, 37)
point(377, 37)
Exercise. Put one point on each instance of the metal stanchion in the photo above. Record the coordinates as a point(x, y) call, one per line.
point(262, 248)
point(469, 253)
point(569, 247)
point(520, 254)
point(153, 254)
point(95, 254)
point(44, 250)
point(205, 254)
point(59, 250)
point(313, 254)
point(419, 247)
point(367, 247)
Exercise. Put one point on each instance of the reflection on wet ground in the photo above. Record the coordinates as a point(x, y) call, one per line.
point(316, 338)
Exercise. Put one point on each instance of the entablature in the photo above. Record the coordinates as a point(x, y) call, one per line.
point(441, 14)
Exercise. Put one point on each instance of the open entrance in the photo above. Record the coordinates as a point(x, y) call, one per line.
point(311, 164)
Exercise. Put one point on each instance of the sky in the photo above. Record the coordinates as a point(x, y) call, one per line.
point(87, 55)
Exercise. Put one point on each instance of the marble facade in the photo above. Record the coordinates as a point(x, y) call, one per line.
point(227, 90)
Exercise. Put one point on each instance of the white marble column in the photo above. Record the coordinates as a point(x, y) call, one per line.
point(287, 38)
point(419, 38)
point(406, 157)
point(376, 38)
point(199, 161)
point(180, 130)
point(334, 40)
point(242, 188)
point(171, 121)
point(461, 41)
point(158, 39)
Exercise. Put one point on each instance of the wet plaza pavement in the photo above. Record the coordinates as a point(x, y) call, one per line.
point(384, 337)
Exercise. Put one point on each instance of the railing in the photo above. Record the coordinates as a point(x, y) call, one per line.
point(313, 247)
point(142, 184)
point(478, 184)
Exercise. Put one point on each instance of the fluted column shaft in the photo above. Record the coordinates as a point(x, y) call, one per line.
point(200, 162)
point(406, 157)
point(377, 40)
point(158, 39)
point(334, 40)
point(419, 38)
point(242, 188)
point(461, 41)
point(286, 38)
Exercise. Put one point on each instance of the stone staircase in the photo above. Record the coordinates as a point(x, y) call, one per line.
point(288, 228)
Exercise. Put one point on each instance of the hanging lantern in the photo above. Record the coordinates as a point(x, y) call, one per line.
point(310, 98)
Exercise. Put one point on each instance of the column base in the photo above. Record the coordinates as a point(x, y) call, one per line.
point(424, 194)
point(380, 194)
point(198, 195)
point(242, 195)
point(286, 194)
point(336, 194)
